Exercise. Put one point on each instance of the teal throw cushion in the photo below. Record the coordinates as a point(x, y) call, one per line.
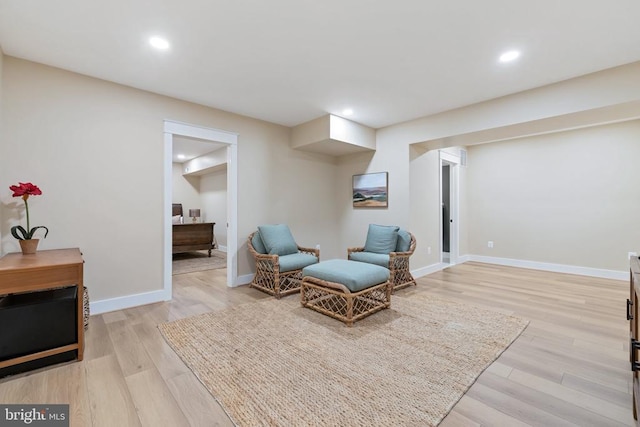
point(256, 241)
point(296, 261)
point(404, 241)
point(381, 239)
point(370, 257)
point(356, 276)
point(277, 239)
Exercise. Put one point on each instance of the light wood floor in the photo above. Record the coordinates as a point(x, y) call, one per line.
point(570, 367)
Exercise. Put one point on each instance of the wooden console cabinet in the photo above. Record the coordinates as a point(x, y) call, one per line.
point(634, 318)
point(193, 237)
point(45, 270)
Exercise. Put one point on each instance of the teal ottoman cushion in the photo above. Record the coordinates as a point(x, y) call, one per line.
point(296, 261)
point(356, 276)
point(370, 257)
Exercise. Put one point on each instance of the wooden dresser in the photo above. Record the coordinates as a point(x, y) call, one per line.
point(193, 237)
point(634, 318)
point(46, 270)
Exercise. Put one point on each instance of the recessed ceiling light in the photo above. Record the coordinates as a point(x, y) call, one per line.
point(347, 112)
point(159, 43)
point(509, 56)
point(181, 156)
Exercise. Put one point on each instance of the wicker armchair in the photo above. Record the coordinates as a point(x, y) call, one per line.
point(397, 261)
point(279, 275)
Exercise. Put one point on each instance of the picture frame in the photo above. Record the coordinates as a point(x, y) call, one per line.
point(371, 190)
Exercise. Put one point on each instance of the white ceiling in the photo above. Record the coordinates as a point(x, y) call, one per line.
point(290, 61)
point(190, 148)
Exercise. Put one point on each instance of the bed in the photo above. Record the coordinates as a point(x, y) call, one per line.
point(189, 236)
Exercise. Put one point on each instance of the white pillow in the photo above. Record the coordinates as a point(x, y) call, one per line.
point(175, 219)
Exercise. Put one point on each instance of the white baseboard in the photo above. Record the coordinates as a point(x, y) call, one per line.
point(129, 301)
point(244, 279)
point(429, 269)
point(425, 271)
point(120, 303)
point(463, 258)
point(222, 248)
point(557, 268)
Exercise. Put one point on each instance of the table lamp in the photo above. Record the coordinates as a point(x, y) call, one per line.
point(194, 214)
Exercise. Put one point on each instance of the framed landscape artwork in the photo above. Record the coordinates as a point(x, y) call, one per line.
point(370, 190)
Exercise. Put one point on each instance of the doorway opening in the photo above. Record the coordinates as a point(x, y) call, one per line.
point(446, 212)
point(449, 216)
point(230, 140)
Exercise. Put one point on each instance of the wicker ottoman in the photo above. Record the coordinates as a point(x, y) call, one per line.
point(345, 290)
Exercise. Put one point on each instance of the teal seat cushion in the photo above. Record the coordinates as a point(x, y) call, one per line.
point(296, 261)
point(356, 276)
point(404, 241)
point(370, 257)
point(277, 239)
point(256, 241)
point(381, 239)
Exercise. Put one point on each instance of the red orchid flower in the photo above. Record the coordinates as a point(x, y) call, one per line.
point(24, 190)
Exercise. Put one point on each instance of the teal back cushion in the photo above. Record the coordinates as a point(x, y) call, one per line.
point(381, 239)
point(404, 241)
point(277, 239)
point(256, 241)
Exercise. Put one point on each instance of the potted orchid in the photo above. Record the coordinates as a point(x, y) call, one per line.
point(25, 236)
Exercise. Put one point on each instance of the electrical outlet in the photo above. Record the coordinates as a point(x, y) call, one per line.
point(632, 254)
point(428, 250)
point(490, 244)
point(318, 246)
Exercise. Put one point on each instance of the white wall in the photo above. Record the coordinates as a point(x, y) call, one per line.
point(96, 149)
point(414, 170)
point(3, 226)
point(616, 86)
point(350, 132)
point(424, 197)
point(389, 157)
point(213, 198)
point(569, 198)
point(186, 190)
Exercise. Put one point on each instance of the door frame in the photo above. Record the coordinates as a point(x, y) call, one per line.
point(172, 128)
point(454, 161)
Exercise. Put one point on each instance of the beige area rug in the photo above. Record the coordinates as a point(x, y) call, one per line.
point(188, 262)
point(274, 363)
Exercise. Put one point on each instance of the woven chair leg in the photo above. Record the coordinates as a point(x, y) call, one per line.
point(349, 321)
